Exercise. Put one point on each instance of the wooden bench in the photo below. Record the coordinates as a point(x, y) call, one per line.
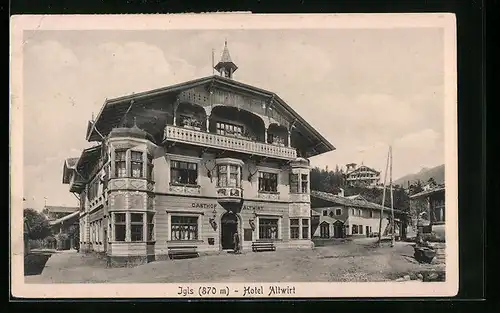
point(263, 246)
point(182, 252)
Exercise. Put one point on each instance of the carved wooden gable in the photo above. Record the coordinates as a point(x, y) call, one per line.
point(263, 108)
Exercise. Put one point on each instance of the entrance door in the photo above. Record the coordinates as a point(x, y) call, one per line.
point(324, 230)
point(229, 225)
point(367, 231)
point(338, 230)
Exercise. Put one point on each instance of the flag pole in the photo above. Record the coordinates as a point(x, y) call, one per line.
point(213, 61)
point(383, 203)
point(392, 200)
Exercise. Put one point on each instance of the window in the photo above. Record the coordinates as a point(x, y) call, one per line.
point(360, 229)
point(360, 212)
point(222, 178)
point(268, 228)
point(371, 213)
point(234, 171)
point(150, 167)
point(294, 228)
point(338, 212)
point(294, 183)
point(305, 228)
point(183, 173)
point(136, 164)
point(150, 227)
point(184, 228)
point(120, 227)
point(234, 175)
point(352, 211)
point(229, 129)
point(331, 213)
point(354, 229)
point(325, 213)
point(304, 183)
point(136, 226)
point(268, 182)
point(120, 163)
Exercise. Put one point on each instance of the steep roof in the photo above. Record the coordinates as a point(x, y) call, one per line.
point(348, 202)
point(113, 110)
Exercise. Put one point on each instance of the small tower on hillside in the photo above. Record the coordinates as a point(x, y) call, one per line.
point(226, 66)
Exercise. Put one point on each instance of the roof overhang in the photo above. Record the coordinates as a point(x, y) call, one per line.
point(114, 110)
point(69, 217)
point(427, 193)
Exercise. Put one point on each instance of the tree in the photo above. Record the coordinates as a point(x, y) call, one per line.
point(36, 225)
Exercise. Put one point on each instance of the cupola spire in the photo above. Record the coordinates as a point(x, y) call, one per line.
point(226, 66)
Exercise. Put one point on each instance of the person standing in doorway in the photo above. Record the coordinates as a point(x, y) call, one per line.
point(236, 242)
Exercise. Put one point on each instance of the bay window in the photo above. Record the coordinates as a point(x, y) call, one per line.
point(268, 228)
point(305, 228)
point(234, 173)
point(294, 228)
point(294, 183)
point(184, 227)
point(120, 226)
point(183, 173)
point(136, 226)
point(120, 163)
point(304, 183)
point(149, 173)
point(136, 164)
point(150, 226)
point(229, 175)
point(268, 182)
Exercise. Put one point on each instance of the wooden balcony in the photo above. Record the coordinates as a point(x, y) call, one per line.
point(238, 144)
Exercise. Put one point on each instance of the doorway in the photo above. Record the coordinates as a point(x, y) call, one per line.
point(338, 229)
point(324, 230)
point(229, 226)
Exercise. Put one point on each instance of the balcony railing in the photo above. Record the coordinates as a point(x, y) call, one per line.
point(200, 138)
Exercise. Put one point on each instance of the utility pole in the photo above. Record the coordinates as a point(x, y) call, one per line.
point(383, 202)
point(392, 199)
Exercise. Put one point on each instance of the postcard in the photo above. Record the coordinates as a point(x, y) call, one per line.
point(234, 155)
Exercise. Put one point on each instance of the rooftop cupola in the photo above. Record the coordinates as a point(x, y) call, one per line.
point(226, 66)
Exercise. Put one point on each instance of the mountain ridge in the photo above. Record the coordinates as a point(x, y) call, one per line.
point(436, 172)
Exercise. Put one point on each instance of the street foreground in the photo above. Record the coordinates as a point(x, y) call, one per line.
point(357, 261)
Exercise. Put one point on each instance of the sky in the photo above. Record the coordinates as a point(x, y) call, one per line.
point(363, 89)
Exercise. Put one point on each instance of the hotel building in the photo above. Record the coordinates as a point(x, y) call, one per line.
point(334, 216)
point(190, 165)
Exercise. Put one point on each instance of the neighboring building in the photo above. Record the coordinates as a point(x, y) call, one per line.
point(56, 212)
point(61, 218)
point(191, 164)
point(334, 216)
point(361, 176)
point(434, 203)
